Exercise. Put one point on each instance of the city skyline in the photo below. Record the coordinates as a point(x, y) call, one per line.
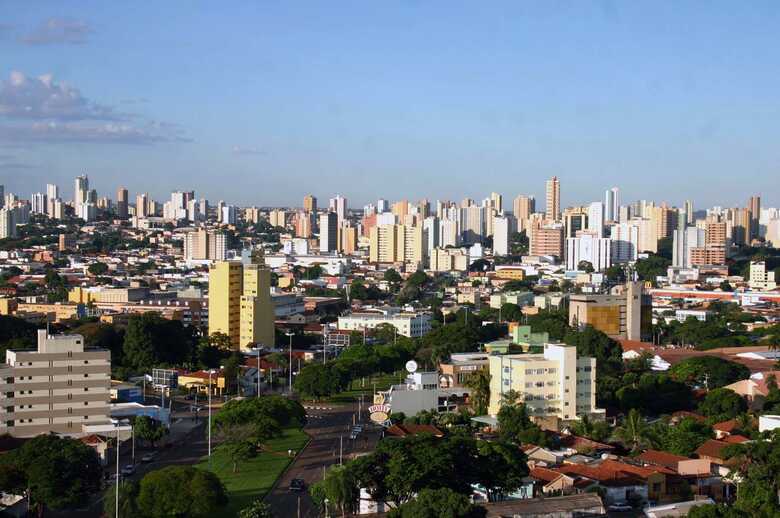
point(444, 100)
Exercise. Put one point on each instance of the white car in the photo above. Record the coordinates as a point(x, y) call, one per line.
point(149, 457)
point(128, 470)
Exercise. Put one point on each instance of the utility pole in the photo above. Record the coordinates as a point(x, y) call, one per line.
point(290, 335)
point(116, 501)
point(258, 372)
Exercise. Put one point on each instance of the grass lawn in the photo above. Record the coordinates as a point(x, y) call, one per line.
point(382, 381)
point(256, 476)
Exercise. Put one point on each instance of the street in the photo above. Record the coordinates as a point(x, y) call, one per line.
point(326, 428)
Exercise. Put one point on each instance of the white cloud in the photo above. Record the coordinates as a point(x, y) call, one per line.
point(243, 150)
point(58, 31)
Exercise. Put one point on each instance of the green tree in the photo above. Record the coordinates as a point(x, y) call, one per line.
point(152, 341)
point(652, 267)
point(340, 488)
point(722, 404)
point(685, 437)
point(500, 468)
point(589, 341)
point(392, 276)
point(257, 509)
point(128, 495)
point(148, 429)
point(181, 491)
point(709, 371)
point(239, 451)
point(438, 503)
point(634, 432)
point(516, 427)
point(479, 385)
point(98, 269)
point(58, 472)
point(594, 430)
point(511, 312)
point(585, 266)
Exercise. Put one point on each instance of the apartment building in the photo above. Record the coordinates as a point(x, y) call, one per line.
point(205, 245)
point(58, 388)
point(412, 325)
point(240, 304)
point(547, 241)
point(760, 277)
point(398, 244)
point(554, 384)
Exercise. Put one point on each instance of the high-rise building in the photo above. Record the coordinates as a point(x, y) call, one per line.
point(497, 201)
point(7, 223)
point(684, 240)
point(329, 225)
point(596, 218)
point(205, 245)
point(449, 233)
point(142, 205)
point(625, 242)
point(347, 239)
point(612, 204)
point(754, 208)
point(575, 219)
point(553, 199)
point(472, 227)
point(225, 290)
point(689, 218)
point(400, 209)
point(431, 227)
point(229, 215)
point(62, 387)
point(2, 196)
point(38, 203)
point(52, 191)
point(80, 191)
point(382, 205)
point(522, 208)
point(589, 247)
point(398, 244)
point(546, 241)
point(122, 203)
point(257, 309)
point(310, 203)
point(303, 224)
point(339, 206)
point(624, 314)
point(503, 227)
point(277, 218)
point(761, 278)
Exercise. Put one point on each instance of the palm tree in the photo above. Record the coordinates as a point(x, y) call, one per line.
point(479, 383)
point(634, 431)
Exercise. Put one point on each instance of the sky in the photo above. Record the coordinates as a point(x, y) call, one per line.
point(261, 102)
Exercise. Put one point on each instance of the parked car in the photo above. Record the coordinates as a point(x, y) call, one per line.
point(128, 470)
point(619, 507)
point(297, 484)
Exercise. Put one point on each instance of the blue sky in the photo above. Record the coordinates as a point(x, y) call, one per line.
point(261, 102)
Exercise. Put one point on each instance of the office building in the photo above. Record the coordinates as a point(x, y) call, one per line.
point(310, 203)
point(59, 388)
point(329, 232)
point(497, 201)
point(689, 217)
point(708, 256)
point(754, 209)
point(554, 384)
point(623, 314)
point(449, 260)
point(240, 303)
point(575, 219)
point(382, 205)
point(587, 246)
point(229, 215)
point(303, 224)
point(522, 208)
point(431, 226)
point(205, 245)
point(142, 205)
point(553, 199)
point(347, 239)
point(80, 191)
point(472, 227)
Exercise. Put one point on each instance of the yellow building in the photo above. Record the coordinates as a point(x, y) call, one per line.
point(257, 310)
point(621, 315)
point(240, 304)
point(515, 273)
point(225, 288)
point(397, 244)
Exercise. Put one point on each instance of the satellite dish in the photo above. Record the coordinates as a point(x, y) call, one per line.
point(411, 366)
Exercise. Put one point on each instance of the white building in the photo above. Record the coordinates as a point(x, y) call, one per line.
point(58, 388)
point(684, 240)
point(503, 227)
point(329, 223)
point(38, 203)
point(421, 392)
point(7, 223)
point(760, 278)
point(596, 218)
point(587, 247)
point(625, 242)
point(412, 325)
point(555, 383)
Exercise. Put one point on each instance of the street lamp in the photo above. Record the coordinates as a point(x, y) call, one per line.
point(290, 335)
point(116, 501)
point(211, 371)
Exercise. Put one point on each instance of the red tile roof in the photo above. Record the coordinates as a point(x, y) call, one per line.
point(726, 426)
point(661, 458)
point(712, 449)
point(544, 474)
point(735, 439)
point(403, 430)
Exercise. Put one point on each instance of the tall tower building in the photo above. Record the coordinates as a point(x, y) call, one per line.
point(553, 199)
point(339, 206)
point(612, 204)
point(497, 201)
point(142, 205)
point(80, 191)
point(121, 203)
point(240, 304)
point(329, 225)
point(689, 219)
point(310, 203)
point(754, 207)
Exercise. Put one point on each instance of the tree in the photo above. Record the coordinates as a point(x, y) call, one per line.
point(685, 437)
point(257, 509)
point(500, 468)
point(58, 472)
point(596, 344)
point(128, 495)
point(340, 488)
point(634, 432)
point(479, 397)
point(511, 312)
point(616, 274)
point(240, 451)
point(152, 341)
point(516, 427)
point(97, 269)
point(757, 465)
point(181, 491)
point(148, 429)
point(232, 366)
point(594, 430)
point(392, 276)
point(585, 266)
point(709, 371)
point(652, 267)
point(438, 503)
point(722, 404)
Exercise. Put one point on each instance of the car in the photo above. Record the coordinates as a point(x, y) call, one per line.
point(297, 484)
point(619, 507)
point(357, 428)
point(353, 436)
point(128, 470)
point(149, 457)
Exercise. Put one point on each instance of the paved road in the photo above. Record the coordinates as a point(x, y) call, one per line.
point(326, 427)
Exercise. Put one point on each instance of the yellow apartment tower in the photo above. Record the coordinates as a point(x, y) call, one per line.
point(240, 303)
